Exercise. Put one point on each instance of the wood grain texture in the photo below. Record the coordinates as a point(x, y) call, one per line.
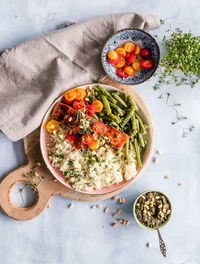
point(48, 187)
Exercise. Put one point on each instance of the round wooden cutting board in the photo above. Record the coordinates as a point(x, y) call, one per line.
point(48, 187)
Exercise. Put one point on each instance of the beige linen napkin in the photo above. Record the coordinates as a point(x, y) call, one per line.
point(35, 73)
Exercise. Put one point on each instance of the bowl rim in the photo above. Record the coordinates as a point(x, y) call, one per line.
point(139, 172)
point(124, 29)
point(138, 221)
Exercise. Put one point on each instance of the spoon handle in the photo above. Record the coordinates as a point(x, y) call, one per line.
point(162, 244)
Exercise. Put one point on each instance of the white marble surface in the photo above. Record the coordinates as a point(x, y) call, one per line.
point(81, 235)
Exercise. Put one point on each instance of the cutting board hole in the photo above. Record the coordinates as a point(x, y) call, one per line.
point(22, 195)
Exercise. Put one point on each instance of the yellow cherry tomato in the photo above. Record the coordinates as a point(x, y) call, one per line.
point(121, 64)
point(80, 93)
point(137, 50)
point(121, 51)
point(129, 70)
point(97, 105)
point(136, 64)
point(112, 55)
point(94, 145)
point(129, 47)
point(70, 95)
point(52, 125)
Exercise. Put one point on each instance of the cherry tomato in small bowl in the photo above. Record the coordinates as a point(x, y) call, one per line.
point(129, 70)
point(113, 55)
point(121, 73)
point(146, 64)
point(87, 139)
point(98, 127)
point(145, 53)
point(130, 59)
point(79, 104)
point(115, 62)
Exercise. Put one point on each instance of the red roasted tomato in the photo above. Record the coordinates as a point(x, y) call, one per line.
point(91, 109)
point(98, 127)
point(79, 104)
point(71, 137)
point(87, 139)
point(145, 53)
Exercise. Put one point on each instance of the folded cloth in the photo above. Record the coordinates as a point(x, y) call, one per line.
point(34, 73)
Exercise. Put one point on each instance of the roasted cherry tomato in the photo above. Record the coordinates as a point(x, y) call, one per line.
point(90, 109)
point(121, 73)
point(113, 55)
point(87, 139)
point(70, 95)
point(98, 127)
point(97, 105)
point(52, 125)
point(94, 145)
point(129, 47)
point(80, 93)
point(129, 70)
point(121, 51)
point(146, 64)
point(78, 144)
point(136, 64)
point(115, 62)
point(121, 64)
point(137, 49)
point(71, 137)
point(79, 104)
point(130, 59)
point(145, 53)
point(63, 100)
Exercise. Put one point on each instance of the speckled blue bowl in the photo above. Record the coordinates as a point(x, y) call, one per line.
point(138, 36)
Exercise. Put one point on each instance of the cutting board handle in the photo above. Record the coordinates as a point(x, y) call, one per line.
point(40, 203)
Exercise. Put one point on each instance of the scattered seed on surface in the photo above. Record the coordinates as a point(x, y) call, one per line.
point(155, 160)
point(55, 180)
point(38, 164)
point(119, 211)
point(93, 206)
point(180, 184)
point(48, 205)
point(106, 210)
point(87, 99)
point(158, 152)
point(70, 119)
point(121, 200)
point(120, 220)
point(114, 215)
point(115, 197)
point(99, 206)
point(149, 244)
point(70, 205)
point(167, 177)
point(114, 224)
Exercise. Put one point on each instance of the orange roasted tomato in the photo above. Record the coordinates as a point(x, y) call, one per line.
point(113, 55)
point(129, 47)
point(121, 51)
point(137, 50)
point(70, 95)
point(52, 125)
point(121, 64)
point(97, 105)
point(94, 145)
point(129, 70)
point(80, 93)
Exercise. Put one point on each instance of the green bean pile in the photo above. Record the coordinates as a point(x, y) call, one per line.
point(122, 113)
